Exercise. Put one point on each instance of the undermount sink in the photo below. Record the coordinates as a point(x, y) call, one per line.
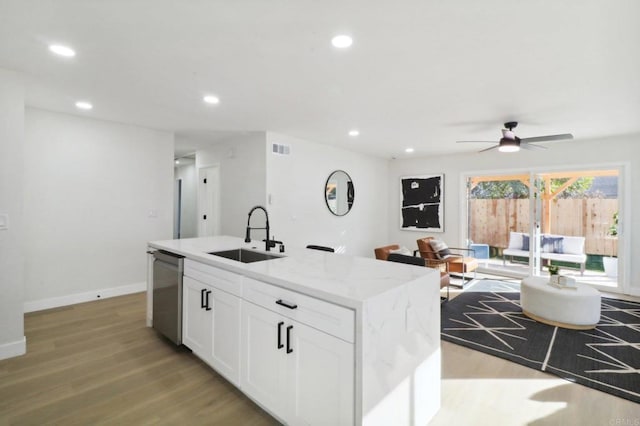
point(244, 255)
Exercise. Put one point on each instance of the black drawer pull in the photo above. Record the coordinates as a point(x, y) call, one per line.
point(280, 345)
point(208, 305)
point(202, 304)
point(285, 304)
point(289, 350)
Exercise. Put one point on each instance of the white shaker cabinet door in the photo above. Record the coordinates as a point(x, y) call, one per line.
point(196, 319)
point(263, 362)
point(225, 345)
point(320, 378)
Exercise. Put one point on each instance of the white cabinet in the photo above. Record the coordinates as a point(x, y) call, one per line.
point(302, 375)
point(264, 363)
point(320, 379)
point(291, 353)
point(225, 344)
point(197, 322)
point(211, 326)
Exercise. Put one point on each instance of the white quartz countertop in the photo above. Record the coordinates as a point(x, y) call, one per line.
point(338, 278)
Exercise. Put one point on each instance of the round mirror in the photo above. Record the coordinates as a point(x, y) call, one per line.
point(339, 193)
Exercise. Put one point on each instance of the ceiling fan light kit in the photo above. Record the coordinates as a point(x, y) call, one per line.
point(511, 143)
point(507, 145)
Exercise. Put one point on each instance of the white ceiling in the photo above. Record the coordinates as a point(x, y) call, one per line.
point(420, 73)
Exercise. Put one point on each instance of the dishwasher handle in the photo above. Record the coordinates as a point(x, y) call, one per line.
point(167, 257)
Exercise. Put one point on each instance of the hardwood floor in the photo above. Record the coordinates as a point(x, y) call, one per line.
point(98, 364)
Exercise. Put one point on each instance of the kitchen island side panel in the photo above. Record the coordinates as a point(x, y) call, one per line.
point(401, 358)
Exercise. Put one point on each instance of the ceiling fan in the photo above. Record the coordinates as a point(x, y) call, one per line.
point(511, 143)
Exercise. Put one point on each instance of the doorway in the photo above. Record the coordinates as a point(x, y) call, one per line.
point(209, 201)
point(568, 219)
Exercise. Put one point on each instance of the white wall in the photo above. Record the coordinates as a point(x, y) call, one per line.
point(90, 189)
point(560, 155)
point(242, 178)
point(188, 222)
point(298, 211)
point(12, 341)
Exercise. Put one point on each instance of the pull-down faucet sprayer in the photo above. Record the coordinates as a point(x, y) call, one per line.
point(247, 239)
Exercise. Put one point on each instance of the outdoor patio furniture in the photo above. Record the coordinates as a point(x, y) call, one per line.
point(554, 247)
point(480, 251)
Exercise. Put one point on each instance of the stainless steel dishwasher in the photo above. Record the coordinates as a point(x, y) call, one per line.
point(167, 294)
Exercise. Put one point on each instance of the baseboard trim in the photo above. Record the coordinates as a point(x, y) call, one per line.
point(89, 296)
point(13, 349)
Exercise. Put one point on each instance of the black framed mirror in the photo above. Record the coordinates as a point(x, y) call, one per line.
point(339, 193)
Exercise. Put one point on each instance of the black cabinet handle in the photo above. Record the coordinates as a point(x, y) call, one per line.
point(208, 306)
point(202, 305)
point(289, 350)
point(285, 304)
point(280, 345)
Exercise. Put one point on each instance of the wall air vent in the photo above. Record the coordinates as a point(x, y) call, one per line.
point(280, 149)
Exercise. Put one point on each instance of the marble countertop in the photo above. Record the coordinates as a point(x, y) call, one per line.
point(339, 278)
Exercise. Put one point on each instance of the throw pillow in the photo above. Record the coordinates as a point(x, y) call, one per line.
point(440, 248)
point(402, 250)
point(525, 242)
point(515, 240)
point(573, 245)
point(551, 244)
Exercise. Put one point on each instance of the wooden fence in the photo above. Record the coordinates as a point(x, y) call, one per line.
point(492, 220)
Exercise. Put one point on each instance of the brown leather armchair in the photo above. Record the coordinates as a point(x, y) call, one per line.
point(456, 263)
point(382, 253)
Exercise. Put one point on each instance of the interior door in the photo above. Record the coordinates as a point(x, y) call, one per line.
point(177, 208)
point(209, 201)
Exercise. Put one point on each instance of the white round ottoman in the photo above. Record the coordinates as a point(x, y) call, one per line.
point(577, 308)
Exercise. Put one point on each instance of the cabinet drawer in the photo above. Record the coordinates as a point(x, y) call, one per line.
point(216, 277)
point(324, 316)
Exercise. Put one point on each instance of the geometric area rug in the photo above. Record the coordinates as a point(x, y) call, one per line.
point(606, 358)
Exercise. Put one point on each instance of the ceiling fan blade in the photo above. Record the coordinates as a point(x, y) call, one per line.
point(548, 138)
point(531, 147)
point(475, 141)
point(489, 149)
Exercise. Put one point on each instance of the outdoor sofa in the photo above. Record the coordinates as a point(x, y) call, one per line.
point(560, 248)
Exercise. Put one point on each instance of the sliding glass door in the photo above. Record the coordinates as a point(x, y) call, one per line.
point(534, 220)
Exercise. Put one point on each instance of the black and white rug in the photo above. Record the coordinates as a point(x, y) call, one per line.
point(606, 358)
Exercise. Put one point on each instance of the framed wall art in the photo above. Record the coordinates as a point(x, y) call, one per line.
point(422, 203)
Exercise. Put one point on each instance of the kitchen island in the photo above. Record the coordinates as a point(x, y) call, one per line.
point(314, 337)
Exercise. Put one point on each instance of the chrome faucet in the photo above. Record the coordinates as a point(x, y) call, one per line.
point(268, 243)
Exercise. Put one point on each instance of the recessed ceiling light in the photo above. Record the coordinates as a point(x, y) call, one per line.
point(61, 50)
point(342, 41)
point(211, 99)
point(409, 150)
point(354, 133)
point(177, 161)
point(83, 105)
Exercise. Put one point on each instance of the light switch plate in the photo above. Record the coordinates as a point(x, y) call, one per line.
point(4, 221)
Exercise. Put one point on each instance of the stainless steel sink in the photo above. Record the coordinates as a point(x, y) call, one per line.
point(244, 255)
